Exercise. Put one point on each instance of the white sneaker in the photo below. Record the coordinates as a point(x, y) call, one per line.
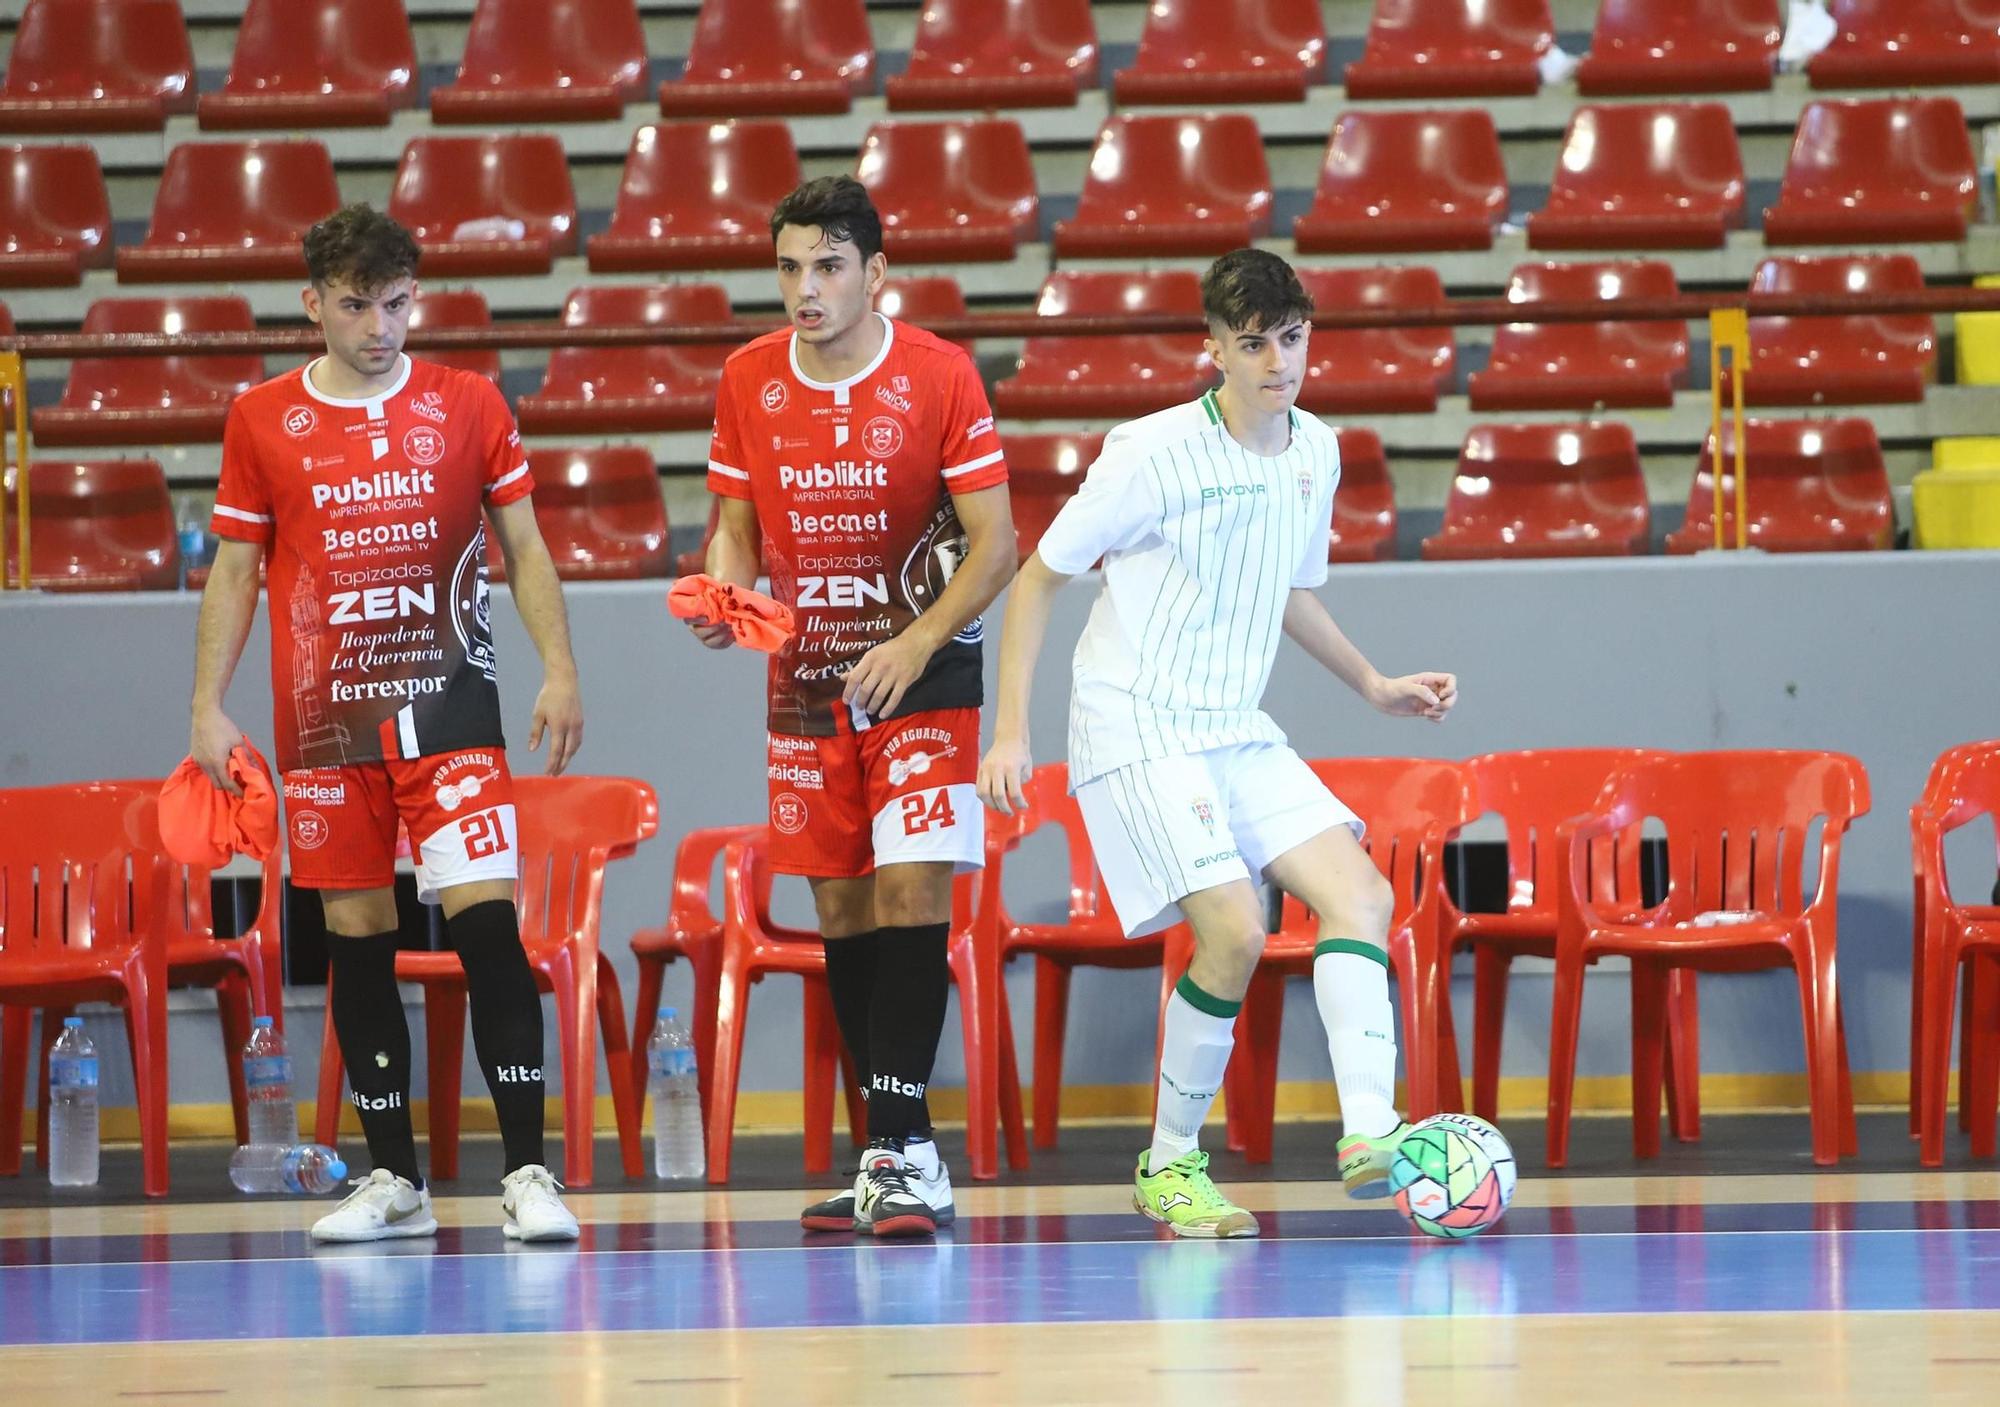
point(885, 1196)
point(929, 1178)
point(534, 1211)
point(382, 1207)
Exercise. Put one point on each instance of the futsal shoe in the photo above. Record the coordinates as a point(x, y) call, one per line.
point(534, 1211)
point(1182, 1196)
point(929, 1178)
point(382, 1207)
point(886, 1200)
point(1364, 1162)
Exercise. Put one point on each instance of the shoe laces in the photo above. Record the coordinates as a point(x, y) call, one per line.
point(887, 1177)
point(533, 1180)
point(1193, 1170)
point(367, 1188)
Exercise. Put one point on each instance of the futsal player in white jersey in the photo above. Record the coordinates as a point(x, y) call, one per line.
point(1212, 520)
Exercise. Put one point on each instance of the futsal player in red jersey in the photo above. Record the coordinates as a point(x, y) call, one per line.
point(857, 455)
point(361, 479)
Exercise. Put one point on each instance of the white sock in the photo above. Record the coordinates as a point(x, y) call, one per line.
point(1192, 1059)
point(923, 1156)
point(1351, 988)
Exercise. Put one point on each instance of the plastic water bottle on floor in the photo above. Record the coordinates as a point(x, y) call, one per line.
point(306, 1169)
point(267, 1077)
point(677, 1134)
point(73, 1141)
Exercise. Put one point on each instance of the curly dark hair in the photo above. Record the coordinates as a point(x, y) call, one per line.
point(360, 247)
point(1253, 290)
point(839, 207)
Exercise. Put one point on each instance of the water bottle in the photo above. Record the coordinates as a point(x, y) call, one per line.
point(267, 1078)
point(677, 1135)
point(73, 1108)
point(305, 1170)
point(193, 535)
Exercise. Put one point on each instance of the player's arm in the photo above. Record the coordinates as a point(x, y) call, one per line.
point(881, 677)
point(228, 605)
point(1426, 695)
point(531, 575)
point(1003, 772)
point(733, 556)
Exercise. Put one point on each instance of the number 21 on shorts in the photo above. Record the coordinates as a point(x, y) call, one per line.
point(484, 834)
point(922, 811)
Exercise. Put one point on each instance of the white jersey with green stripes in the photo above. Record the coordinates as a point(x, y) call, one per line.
point(1201, 542)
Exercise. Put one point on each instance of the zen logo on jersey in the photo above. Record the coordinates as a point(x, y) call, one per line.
point(848, 591)
point(1231, 490)
point(382, 603)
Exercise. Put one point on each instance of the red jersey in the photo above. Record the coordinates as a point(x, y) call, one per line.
point(852, 482)
point(371, 514)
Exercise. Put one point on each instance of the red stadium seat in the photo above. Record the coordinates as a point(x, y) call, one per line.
point(632, 390)
point(1885, 171)
point(923, 300)
point(1407, 181)
point(1815, 486)
point(1909, 43)
point(1364, 507)
point(1578, 365)
point(974, 54)
point(97, 525)
point(1682, 46)
point(152, 400)
point(547, 61)
point(1358, 370)
point(951, 192)
point(1644, 176)
point(1043, 471)
point(55, 216)
point(1226, 51)
point(233, 210)
point(698, 195)
point(315, 63)
point(1452, 49)
point(486, 205)
point(1845, 360)
point(1118, 375)
point(456, 307)
point(600, 512)
point(1171, 185)
point(104, 66)
point(752, 57)
point(1544, 491)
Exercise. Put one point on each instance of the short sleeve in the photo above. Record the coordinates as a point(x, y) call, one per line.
point(1311, 571)
point(507, 476)
point(728, 466)
point(242, 499)
point(1117, 508)
point(971, 458)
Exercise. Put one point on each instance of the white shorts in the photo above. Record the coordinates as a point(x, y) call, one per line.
point(1164, 829)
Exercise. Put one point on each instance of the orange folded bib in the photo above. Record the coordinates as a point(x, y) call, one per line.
point(203, 825)
point(756, 620)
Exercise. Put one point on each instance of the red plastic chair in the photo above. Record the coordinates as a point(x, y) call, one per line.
point(1581, 365)
point(547, 61)
point(232, 211)
point(570, 829)
point(315, 63)
point(632, 390)
point(1646, 47)
point(1226, 52)
point(1364, 507)
point(1453, 49)
point(1857, 360)
point(1545, 491)
point(97, 525)
point(152, 400)
point(698, 195)
point(923, 299)
point(1171, 185)
point(1815, 486)
point(437, 308)
point(789, 57)
point(1109, 376)
point(460, 196)
point(1354, 371)
point(600, 512)
point(1893, 170)
point(976, 54)
point(1644, 176)
point(1407, 181)
point(1737, 825)
point(951, 192)
point(82, 879)
point(55, 216)
point(106, 66)
point(1909, 43)
point(1043, 472)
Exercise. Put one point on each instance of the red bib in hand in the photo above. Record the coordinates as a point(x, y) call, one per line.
point(203, 825)
point(754, 618)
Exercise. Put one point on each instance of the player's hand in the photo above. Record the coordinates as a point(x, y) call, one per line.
point(1423, 695)
point(1003, 775)
point(558, 713)
point(881, 677)
point(210, 742)
point(713, 633)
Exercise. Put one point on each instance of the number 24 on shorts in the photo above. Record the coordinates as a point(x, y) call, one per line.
point(920, 812)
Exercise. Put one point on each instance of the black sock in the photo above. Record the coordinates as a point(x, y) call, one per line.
point(912, 985)
point(850, 979)
point(506, 1022)
point(374, 1038)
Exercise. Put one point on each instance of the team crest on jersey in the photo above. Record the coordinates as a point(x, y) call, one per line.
point(882, 437)
point(430, 405)
point(1204, 811)
point(788, 813)
point(1306, 487)
point(309, 830)
point(424, 445)
point(300, 421)
point(775, 395)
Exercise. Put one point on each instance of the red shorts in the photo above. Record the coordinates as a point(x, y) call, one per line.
point(340, 822)
point(903, 792)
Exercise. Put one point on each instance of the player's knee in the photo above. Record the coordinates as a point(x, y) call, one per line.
point(1366, 909)
point(1236, 946)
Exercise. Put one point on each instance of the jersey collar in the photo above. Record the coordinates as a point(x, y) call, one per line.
point(402, 380)
point(881, 355)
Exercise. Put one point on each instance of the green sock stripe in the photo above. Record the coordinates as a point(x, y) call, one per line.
point(1201, 1001)
point(1350, 945)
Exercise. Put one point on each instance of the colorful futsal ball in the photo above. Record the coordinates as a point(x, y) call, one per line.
point(1453, 1176)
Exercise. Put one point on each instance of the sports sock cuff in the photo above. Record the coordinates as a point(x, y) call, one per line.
point(1352, 946)
point(1201, 1001)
